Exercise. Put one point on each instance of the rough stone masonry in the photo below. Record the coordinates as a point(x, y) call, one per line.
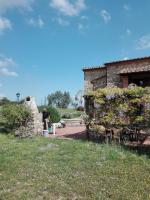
point(34, 124)
point(118, 73)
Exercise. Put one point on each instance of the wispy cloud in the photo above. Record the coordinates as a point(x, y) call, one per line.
point(126, 7)
point(83, 27)
point(4, 24)
point(68, 8)
point(11, 4)
point(5, 63)
point(126, 58)
point(36, 22)
point(105, 15)
point(83, 17)
point(62, 21)
point(143, 42)
point(128, 32)
point(80, 26)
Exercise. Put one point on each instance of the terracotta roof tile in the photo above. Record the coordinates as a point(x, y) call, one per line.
point(128, 60)
point(92, 68)
point(107, 64)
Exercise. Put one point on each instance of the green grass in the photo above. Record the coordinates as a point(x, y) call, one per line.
point(50, 169)
point(72, 112)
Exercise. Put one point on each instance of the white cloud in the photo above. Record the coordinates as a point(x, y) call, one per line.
point(67, 8)
point(126, 7)
point(105, 15)
point(5, 63)
point(36, 22)
point(6, 72)
point(11, 4)
point(4, 24)
point(143, 42)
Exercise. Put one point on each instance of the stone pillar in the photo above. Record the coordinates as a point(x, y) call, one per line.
point(36, 116)
point(125, 81)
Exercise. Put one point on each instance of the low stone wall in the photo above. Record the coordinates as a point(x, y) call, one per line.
point(74, 122)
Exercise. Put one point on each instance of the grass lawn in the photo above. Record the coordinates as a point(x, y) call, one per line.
point(74, 113)
point(50, 169)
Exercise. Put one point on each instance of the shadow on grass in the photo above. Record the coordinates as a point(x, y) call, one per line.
point(4, 131)
point(77, 136)
point(138, 149)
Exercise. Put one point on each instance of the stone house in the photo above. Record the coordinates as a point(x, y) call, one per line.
point(118, 73)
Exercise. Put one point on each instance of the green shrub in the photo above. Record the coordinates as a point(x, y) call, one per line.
point(72, 115)
point(15, 115)
point(80, 108)
point(67, 116)
point(54, 115)
point(76, 114)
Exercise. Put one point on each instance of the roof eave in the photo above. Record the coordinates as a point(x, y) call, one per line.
point(93, 68)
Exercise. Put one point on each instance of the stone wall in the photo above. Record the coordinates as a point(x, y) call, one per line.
point(100, 83)
point(109, 74)
point(90, 75)
point(113, 78)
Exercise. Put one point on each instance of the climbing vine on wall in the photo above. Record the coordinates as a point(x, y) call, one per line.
point(122, 106)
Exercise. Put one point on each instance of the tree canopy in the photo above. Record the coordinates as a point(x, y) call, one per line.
point(59, 99)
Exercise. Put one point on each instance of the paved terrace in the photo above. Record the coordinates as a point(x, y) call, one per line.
point(71, 132)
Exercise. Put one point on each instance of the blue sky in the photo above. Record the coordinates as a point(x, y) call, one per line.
point(44, 44)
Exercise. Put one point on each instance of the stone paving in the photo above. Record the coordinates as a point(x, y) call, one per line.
point(147, 141)
point(75, 132)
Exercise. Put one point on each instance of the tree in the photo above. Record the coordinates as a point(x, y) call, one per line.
point(78, 100)
point(59, 99)
point(79, 97)
point(66, 100)
point(4, 101)
point(54, 115)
